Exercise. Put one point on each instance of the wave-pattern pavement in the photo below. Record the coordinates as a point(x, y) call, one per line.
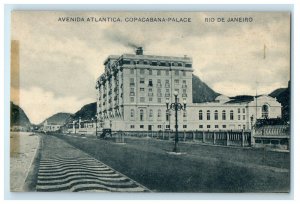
point(73, 170)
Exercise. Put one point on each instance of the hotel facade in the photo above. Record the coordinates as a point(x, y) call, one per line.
point(133, 90)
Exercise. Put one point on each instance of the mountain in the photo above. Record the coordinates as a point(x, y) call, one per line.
point(58, 118)
point(283, 96)
point(18, 116)
point(201, 91)
point(87, 112)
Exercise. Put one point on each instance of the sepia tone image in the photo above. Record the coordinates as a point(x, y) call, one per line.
point(150, 102)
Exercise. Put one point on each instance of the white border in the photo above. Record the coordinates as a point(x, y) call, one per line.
point(218, 6)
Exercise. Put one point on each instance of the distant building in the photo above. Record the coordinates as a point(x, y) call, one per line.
point(51, 127)
point(132, 92)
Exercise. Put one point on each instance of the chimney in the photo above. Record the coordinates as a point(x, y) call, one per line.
point(139, 51)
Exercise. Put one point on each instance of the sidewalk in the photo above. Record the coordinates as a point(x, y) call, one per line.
point(23, 148)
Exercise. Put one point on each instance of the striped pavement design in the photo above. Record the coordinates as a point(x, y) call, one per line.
point(70, 169)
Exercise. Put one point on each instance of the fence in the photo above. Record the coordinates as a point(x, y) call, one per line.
point(227, 138)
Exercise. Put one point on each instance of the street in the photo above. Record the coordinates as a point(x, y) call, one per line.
point(200, 168)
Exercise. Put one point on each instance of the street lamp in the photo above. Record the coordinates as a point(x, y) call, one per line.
point(96, 119)
point(176, 106)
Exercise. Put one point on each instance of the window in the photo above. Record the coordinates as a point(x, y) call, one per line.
point(167, 116)
point(176, 72)
point(184, 114)
point(167, 126)
point(159, 114)
point(150, 83)
point(131, 126)
point(200, 126)
point(216, 126)
point(265, 111)
point(244, 111)
point(208, 115)
point(142, 81)
point(158, 72)
point(183, 73)
point(150, 99)
point(244, 117)
point(142, 71)
point(142, 99)
point(132, 113)
point(131, 81)
point(167, 72)
point(150, 71)
point(141, 115)
point(223, 115)
point(158, 100)
point(244, 127)
point(150, 113)
point(159, 126)
point(224, 126)
point(216, 115)
point(142, 126)
point(239, 117)
point(239, 110)
point(176, 81)
point(184, 126)
point(208, 126)
point(132, 99)
point(131, 71)
point(231, 115)
point(150, 89)
point(200, 115)
point(142, 89)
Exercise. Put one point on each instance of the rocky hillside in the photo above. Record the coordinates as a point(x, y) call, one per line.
point(58, 118)
point(202, 92)
point(18, 116)
point(283, 96)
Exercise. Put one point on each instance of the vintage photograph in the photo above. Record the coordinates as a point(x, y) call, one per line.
point(150, 102)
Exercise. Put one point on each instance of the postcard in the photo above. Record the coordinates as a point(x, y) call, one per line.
point(150, 102)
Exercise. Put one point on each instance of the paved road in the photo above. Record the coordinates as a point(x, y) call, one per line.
point(65, 168)
point(202, 168)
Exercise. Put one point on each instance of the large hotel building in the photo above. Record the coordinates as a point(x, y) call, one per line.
point(132, 94)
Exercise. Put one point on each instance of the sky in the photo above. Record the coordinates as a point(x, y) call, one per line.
point(60, 61)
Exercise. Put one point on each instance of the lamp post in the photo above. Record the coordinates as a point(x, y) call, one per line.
point(96, 120)
point(176, 106)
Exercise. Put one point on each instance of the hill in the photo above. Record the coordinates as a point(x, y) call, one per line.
point(202, 92)
point(18, 116)
point(283, 96)
point(87, 112)
point(58, 118)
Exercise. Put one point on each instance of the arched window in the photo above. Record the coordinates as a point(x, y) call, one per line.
point(158, 114)
point(265, 111)
point(223, 115)
point(208, 115)
point(216, 115)
point(150, 113)
point(167, 116)
point(200, 115)
point(132, 113)
point(231, 115)
point(141, 115)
